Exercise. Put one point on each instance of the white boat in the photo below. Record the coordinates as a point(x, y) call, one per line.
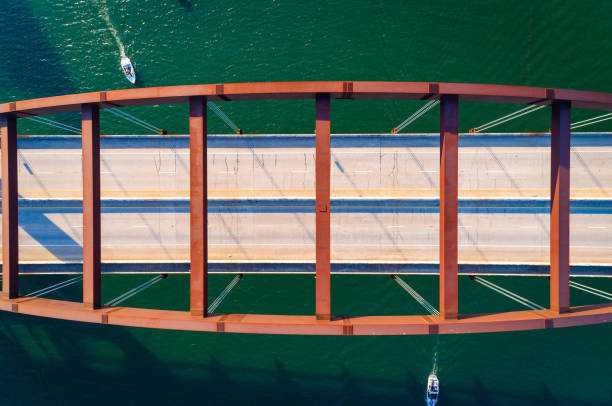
point(128, 69)
point(433, 389)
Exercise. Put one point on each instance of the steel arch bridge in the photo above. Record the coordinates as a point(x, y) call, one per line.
point(559, 313)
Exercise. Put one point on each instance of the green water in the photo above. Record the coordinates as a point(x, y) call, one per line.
point(64, 362)
point(59, 47)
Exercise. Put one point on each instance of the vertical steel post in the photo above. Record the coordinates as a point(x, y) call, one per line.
point(323, 160)
point(559, 206)
point(198, 206)
point(90, 128)
point(10, 217)
point(449, 156)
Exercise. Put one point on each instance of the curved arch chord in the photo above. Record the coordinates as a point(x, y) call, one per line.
point(309, 325)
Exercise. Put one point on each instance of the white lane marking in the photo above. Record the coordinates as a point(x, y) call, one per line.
point(598, 227)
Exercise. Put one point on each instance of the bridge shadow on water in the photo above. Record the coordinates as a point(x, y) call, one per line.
point(32, 62)
point(46, 361)
point(59, 362)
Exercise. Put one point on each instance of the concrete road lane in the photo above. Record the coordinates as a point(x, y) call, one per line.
point(284, 231)
point(515, 166)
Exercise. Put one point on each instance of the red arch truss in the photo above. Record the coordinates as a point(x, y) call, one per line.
point(559, 313)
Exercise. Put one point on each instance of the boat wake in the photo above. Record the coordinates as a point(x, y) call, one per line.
point(434, 368)
point(104, 13)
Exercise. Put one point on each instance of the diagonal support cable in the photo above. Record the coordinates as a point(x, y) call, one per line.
point(511, 295)
point(52, 123)
point(432, 310)
point(593, 291)
point(428, 106)
point(527, 110)
point(135, 291)
point(224, 117)
point(213, 306)
point(55, 287)
point(135, 120)
point(592, 120)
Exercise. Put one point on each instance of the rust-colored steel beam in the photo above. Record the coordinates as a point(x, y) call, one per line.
point(10, 218)
point(90, 127)
point(288, 324)
point(198, 207)
point(322, 173)
point(308, 90)
point(559, 206)
point(449, 157)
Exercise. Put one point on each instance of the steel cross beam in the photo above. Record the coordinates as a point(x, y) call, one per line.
point(90, 128)
point(559, 206)
point(198, 207)
point(10, 218)
point(449, 156)
point(322, 173)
